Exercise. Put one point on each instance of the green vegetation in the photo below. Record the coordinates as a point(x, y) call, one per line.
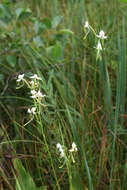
point(63, 95)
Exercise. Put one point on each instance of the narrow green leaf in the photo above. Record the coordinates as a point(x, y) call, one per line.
point(66, 31)
point(120, 96)
point(73, 126)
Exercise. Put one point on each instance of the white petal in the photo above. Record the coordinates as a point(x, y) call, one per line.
point(86, 24)
point(101, 35)
point(34, 96)
point(35, 77)
point(58, 145)
point(20, 77)
point(99, 46)
point(33, 92)
point(29, 111)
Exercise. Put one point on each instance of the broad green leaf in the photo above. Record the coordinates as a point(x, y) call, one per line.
point(76, 183)
point(23, 13)
point(39, 26)
point(19, 11)
point(56, 21)
point(23, 179)
point(11, 59)
point(5, 11)
point(49, 50)
point(55, 51)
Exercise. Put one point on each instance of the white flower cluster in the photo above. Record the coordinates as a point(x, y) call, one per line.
point(20, 78)
point(101, 36)
point(62, 150)
point(32, 111)
point(101, 33)
point(74, 148)
point(35, 92)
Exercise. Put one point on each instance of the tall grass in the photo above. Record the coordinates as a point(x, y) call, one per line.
point(85, 98)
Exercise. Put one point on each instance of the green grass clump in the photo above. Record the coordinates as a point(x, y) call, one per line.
point(63, 95)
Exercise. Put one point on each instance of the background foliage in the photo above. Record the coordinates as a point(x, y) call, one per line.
point(85, 97)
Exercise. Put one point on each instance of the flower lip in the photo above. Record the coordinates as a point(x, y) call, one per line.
point(58, 145)
point(20, 77)
point(40, 95)
point(74, 148)
point(62, 155)
point(101, 35)
point(99, 46)
point(33, 92)
point(32, 110)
